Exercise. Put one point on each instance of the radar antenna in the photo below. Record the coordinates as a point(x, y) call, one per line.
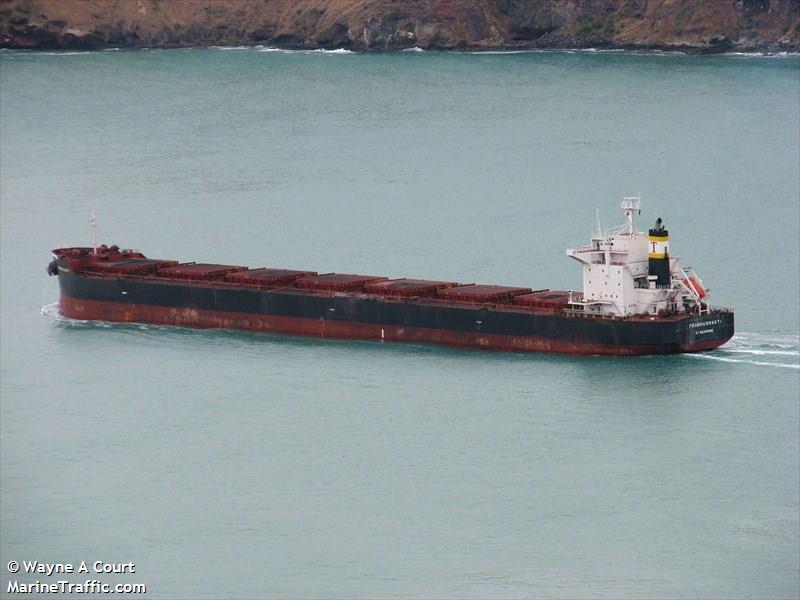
point(631, 205)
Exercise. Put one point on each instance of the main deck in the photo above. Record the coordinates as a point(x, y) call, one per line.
point(111, 262)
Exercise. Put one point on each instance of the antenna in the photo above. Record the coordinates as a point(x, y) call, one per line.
point(93, 223)
point(631, 205)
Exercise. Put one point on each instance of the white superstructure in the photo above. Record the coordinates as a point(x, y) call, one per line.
point(620, 272)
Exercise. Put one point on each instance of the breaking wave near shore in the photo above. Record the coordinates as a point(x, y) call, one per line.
point(262, 48)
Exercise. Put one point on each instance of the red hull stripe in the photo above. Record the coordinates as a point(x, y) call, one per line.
point(95, 310)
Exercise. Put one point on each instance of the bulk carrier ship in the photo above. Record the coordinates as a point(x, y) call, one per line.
point(636, 299)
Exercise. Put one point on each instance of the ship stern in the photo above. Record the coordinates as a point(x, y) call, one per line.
point(707, 331)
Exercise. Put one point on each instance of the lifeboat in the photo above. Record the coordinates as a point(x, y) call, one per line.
point(693, 283)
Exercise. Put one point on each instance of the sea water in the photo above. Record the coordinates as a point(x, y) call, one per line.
point(234, 464)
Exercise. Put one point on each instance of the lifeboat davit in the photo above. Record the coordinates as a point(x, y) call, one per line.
point(693, 283)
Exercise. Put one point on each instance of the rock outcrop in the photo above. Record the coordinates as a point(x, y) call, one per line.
point(385, 25)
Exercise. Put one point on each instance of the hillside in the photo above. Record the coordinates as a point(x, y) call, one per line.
point(385, 25)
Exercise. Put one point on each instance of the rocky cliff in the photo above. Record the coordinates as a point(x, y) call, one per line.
point(384, 25)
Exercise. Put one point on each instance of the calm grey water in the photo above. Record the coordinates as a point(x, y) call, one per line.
point(229, 464)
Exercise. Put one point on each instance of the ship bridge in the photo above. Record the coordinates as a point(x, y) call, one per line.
point(628, 272)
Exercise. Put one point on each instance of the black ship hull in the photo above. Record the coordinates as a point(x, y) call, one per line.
point(352, 315)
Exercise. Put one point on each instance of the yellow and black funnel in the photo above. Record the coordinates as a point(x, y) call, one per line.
point(658, 254)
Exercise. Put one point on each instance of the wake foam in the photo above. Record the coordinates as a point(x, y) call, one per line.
point(766, 350)
point(759, 343)
point(759, 363)
point(51, 312)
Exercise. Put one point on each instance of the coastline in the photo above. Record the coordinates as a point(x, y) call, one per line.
point(77, 44)
point(692, 27)
point(412, 50)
